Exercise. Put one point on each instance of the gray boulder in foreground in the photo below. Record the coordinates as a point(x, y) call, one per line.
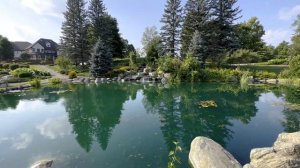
point(285, 153)
point(206, 153)
point(42, 164)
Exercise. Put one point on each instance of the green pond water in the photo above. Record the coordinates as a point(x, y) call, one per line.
point(134, 125)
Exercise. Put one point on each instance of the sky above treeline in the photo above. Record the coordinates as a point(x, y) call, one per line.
point(29, 20)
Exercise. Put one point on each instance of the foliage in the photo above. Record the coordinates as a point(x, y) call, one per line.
point(6, 49)
point(36, 83)
point(243, 56)
point(188, 69)
point(63, 62)
point(197, 14)
point(55, 81)
point(173, 158)
point(74, 32)
point(221, 75)
point(132, 59)
point(13, 66)
point(250, 34)
point(277, 61)
point(296, 36)
point(170, 31)
point(152, 50)
point(128, 48)
point(101, 59)
point(149, 35)
point(72, 74)
point(265, 75)
point(197, 49)
point(25, 56)
point(29, 73)
point(168, 64)
point(294, 67)
point(283, 50)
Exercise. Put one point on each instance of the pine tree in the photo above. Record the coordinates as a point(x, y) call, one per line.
point(222, 33)
point(74, 32)
point(6, 49)
point(197, 15)
point(197, 49)
point(96, 14)
point(172, 23)
point(101, 61)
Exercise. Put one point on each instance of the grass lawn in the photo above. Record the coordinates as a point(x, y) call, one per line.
point(259, 67)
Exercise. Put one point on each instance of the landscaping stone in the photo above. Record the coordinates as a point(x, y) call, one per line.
point(206, 153)
point(42, 164)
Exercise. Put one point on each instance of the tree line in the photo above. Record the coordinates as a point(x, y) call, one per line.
point(207, 30)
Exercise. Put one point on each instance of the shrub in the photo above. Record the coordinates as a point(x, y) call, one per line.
point(13, 66)
point(124, 68)
point(24, 66)
point(25, 56)
point(72, 74)
point(188, 69)
point(23, 73)
point(55, 81)
point(294, 67)
point(169, 64)
point(243, 56)
point(36, 83)
point(265, 75)
point(63, 62)
point(63, 71)
point(41, 73)
point(284, 74)
point(5, 66)
point(220, 75)
point(277, 62)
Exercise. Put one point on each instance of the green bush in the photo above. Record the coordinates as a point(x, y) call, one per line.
point(188, 69)
point(23, 73)
point(294, 67)
point(36, 83)
point(41, 73)
point(169, 64)
point(63, 71)
point(243, 56)
point(72, 74)
point(265, 75)
point(63, 62)
point(25, 56)
point(277, 62)
point(284, 74)
point(13, 66)
point(55, 81)
point(220, 75)
point(5, 66)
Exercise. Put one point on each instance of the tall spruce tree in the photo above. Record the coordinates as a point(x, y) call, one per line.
point(96, 12)
point(196, 17)
point(172, 24)
point(74, 32)
point(197, 49)
point(104, 26)
point(222, 34)
point(101, 61)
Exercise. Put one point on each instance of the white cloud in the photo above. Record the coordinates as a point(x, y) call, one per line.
point(275, 37)
point(22, 142)
point(55, 127)
point(43, 7)
point(289, 13)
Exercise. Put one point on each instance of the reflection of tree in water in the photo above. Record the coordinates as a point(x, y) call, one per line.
point(12, 100)
point(292, 116)
point(94, 111)
point(182, 119)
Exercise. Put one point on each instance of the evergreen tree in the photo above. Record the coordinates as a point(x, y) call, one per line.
point(6, 49)
point(74, 32)
point(222, 34)
point(172, 23)
point(296, 37)
point(197, 15)
point(101, 61)
point(96, 12)
point(197, 49)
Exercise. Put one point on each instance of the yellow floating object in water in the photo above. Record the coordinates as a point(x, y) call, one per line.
point(207, 104)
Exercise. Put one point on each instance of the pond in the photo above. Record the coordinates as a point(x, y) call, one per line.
point(134, 125)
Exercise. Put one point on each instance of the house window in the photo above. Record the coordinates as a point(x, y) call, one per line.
point(33, 49)
point(42, 50)
point(38, 50)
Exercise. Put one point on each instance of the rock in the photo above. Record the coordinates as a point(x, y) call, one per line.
point(272, 81)
point(42, 164)
point(167, 75)
point(284, 153)
point(205, 153)
point(97, 80)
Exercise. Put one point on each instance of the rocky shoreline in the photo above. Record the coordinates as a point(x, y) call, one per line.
point(285, 153)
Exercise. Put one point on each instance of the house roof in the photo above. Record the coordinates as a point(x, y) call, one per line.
point(20, 45)
point(43, 42)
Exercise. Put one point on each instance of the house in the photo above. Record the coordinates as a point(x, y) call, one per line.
point(43, 49)
point(19, 48)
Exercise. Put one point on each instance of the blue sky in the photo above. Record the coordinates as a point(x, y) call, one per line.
point(29, 20)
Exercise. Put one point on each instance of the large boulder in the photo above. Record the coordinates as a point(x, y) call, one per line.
point(284, 154)
point(42, 164)
point(206, 153)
